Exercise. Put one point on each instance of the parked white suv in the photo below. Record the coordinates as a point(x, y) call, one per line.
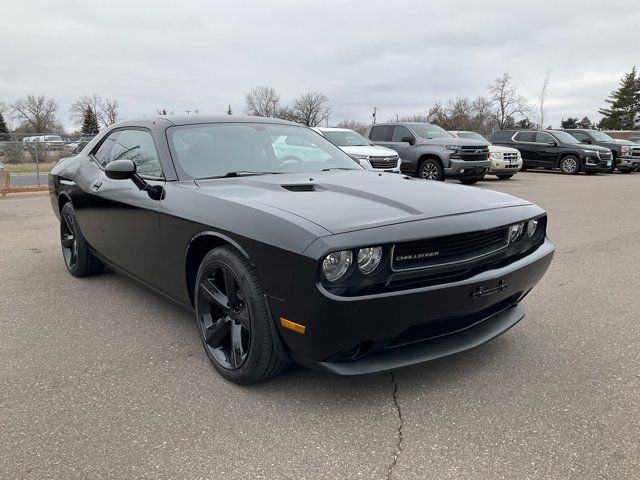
point(370, 156)
point(505, 161)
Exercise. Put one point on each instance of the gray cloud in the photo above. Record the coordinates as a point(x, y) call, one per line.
point(401, 56)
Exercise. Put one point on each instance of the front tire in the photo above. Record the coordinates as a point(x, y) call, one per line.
point(626, 170)
point(233, 318)
point(570, 165)
point(471, 181)
point(504, 177)
point(78, 258)
point(431, 169)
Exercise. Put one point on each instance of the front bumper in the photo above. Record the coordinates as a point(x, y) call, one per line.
point(463, 168)
point(386, 330)
point(628, 162)
point(593, 163)
point(500, 167)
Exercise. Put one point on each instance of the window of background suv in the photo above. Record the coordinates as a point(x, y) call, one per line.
point(381, 133)
point(543, 137)
point(471, 135)
point(346, 138)
point(400, 132)
point(564, 137)
point(581, 136)
point(525, 137)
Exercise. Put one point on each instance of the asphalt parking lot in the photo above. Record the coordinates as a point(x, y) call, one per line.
point(101, 379)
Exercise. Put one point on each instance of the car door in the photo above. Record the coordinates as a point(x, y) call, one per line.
point(525, 142)
point(401, 140)
point(120, 221)
point(547, 150)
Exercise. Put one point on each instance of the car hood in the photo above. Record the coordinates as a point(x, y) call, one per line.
point(593, 147)
point(343, 201)
point(501, 149)
point(373, 151)
point(453, 141)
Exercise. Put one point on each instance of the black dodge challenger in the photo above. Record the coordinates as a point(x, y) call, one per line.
point(287, 250)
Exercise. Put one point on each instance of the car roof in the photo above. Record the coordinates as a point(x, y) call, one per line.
point(200, 119)
point(332, 129)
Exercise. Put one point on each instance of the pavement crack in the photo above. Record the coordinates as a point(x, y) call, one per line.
point(399, 430)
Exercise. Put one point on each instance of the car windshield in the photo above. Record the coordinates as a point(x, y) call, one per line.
point(471, 135)
point(427, 130)
point(216, 149)
point(346, 138)
point(565, 137)
point(53, 138)
point(601, 136)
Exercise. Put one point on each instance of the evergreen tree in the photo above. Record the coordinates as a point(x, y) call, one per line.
point(525, 124)
point(4, 131)
point(623, 112)
point(570, 122)
point(585, 123)
point(90, 122)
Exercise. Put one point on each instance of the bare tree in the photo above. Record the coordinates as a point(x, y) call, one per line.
point(286, 113)
point(109, 112)
point(311, 108)
point(415, 118)
point(463, 114)
point(354, 125)
point(506, 100)
point(542, 97)
point(262, 102)
point(36, 113)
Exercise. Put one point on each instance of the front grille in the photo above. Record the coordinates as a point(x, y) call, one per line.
point(452, 249)
point(635, 152)
point(605, 155)
point(383, 162)
point(471, 153)
point(448, 326)
point(510, 156)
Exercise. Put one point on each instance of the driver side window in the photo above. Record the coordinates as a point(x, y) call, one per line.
point(134, 145)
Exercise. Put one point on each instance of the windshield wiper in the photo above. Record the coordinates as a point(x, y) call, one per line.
point(239, 173)
point(338, 168)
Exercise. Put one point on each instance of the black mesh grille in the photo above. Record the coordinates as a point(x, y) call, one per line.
point(300, 188)
point(473, 153)
point(446, 250)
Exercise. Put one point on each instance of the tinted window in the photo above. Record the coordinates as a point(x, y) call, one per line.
point(134, 145)
point(525, 137)
point(346, 138)
point(428, 130)
point(564, 137)
point(400, 132)
point(212, 150)
point(381, 133)
point(471, 135)
point(580, 136)
point(542, 137)
point(501, 137)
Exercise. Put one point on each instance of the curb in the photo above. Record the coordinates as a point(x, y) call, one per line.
point(9, 195)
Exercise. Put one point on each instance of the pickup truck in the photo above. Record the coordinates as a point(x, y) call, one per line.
point(626, 154)
point(432, 153)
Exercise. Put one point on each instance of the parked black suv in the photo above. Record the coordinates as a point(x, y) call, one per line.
point(626, 154)
point(555, 149)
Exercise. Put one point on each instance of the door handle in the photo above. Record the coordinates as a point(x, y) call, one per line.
point(95, 186)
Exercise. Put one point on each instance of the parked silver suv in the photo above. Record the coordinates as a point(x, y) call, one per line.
point(431, 152)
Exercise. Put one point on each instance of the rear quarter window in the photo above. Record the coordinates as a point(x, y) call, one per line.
point(501, 137)
point(380, 133)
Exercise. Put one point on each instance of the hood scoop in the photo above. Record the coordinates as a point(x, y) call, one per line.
point(302, 187)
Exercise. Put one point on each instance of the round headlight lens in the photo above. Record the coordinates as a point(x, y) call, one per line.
point(532, 226)
point(369, 259)
point(515, 231)
point(336, 264)
point(496, 155)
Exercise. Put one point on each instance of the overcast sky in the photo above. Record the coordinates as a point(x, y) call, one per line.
point(402, 56)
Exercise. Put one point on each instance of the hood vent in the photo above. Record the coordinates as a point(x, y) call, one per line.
point(305, 187)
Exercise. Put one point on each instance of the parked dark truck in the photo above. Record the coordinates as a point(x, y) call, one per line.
point(626, 154)
point(555, 149)
point(431, 152)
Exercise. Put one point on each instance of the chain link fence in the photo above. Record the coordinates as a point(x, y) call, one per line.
point(28, 157)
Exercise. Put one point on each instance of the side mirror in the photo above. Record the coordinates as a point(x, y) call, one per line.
point(120, 170)
point(586, 141)
point(409, 140)
point(552, 144)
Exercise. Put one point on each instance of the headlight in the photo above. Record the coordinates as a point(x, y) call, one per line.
point(358, 157)
point(453, 147)
point(369, 259)
point(589, 151)
point(495, 155)
point(515, 232)
point(626, 150)
point(336, 264)
point(532, 226)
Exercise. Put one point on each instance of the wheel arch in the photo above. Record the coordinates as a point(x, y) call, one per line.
point(564, 155)
point(429, 156)
point(199, 245)
point(63, 198)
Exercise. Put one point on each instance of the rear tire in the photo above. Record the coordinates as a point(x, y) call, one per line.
point(504, 177)
point(233, 318)
point(626, 170)
point(78, 258)
point(570, 165)
point(471, 181)
point(431, 169)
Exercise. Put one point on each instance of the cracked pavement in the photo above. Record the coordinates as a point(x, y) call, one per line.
point(101, 379)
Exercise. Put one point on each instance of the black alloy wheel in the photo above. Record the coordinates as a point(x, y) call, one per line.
point(78, 258)
point(431, 169)
point(233, 318)
point(224, 317)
